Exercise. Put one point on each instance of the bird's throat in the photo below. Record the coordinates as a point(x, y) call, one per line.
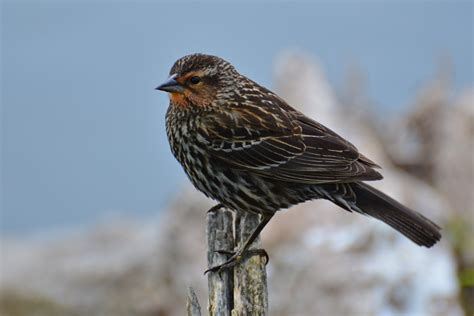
point(179, 99)
point(186, 99)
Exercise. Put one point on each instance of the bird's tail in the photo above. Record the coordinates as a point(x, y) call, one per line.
point(363, 198)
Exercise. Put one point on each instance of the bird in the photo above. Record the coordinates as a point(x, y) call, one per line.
point(246, 148)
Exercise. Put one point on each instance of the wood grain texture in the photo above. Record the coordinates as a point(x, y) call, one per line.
point(192, 305)
point(243, 289)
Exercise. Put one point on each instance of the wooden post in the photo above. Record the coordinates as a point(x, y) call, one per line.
point(220, 236)
point(193, 308)
point(243, 289)
point(250, 277)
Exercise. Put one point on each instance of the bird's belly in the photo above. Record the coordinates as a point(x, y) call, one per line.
point(236, 189)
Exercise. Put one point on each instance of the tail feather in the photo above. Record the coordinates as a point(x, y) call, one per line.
point(362, 198)
point(412, 224)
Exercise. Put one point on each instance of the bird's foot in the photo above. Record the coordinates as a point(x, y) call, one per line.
point(237, 257)
point(215, 208)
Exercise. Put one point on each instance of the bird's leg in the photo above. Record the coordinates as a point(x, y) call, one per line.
point(243, 250)
point(215, 208)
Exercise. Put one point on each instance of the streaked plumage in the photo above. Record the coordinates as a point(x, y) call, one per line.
point(245, 147)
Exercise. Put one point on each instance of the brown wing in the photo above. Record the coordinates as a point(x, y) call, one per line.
point(263, 134)
point(327, 158)
point(251, 138)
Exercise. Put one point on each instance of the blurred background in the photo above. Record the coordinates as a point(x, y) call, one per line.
point(98, 218)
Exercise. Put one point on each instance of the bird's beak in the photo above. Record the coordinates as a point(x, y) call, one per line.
point(170, 85)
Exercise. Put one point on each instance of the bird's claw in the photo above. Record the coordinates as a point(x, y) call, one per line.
point(235, 258)
point(230, 263)
point(225, 252)
point(262, 253)
point(215, 208)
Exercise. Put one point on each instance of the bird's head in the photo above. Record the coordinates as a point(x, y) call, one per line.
point(197, 79)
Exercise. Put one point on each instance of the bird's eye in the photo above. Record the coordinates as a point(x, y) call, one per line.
point(195, 80)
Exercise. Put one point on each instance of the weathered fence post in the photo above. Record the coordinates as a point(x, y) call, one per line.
point(243, 289)
point(250, 277)
point(220, 236)
point(192, 306)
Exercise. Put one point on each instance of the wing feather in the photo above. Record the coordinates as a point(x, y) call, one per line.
point(267, 142)
point(277, 142)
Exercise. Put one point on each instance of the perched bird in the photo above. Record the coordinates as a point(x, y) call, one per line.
point(245, 147)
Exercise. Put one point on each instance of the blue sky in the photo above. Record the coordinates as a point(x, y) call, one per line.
point(83, 130)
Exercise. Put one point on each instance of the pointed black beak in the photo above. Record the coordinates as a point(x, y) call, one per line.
point(170, 85)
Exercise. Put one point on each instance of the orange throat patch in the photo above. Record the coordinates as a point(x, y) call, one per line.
point(179, 99)
point(188, 99)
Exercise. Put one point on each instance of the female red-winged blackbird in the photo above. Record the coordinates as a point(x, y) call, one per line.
point(244, 146)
